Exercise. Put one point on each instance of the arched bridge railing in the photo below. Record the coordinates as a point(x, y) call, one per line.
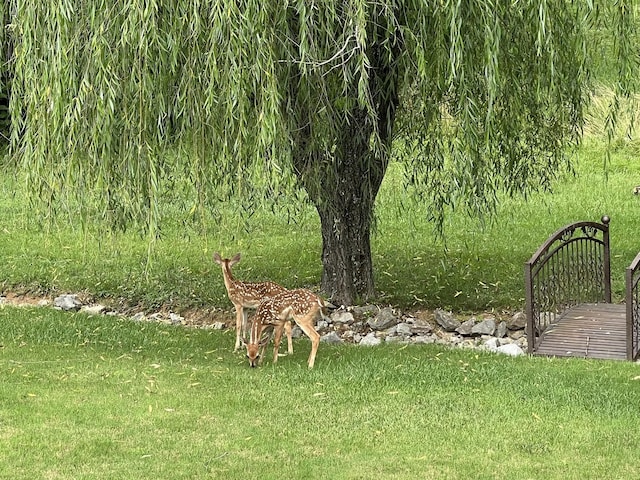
point(570, 268)
point(633, 308)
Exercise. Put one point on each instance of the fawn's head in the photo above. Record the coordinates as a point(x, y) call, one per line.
point(253, 350)
point(229, 262)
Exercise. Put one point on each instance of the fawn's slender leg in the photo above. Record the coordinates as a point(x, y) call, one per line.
point(277, 338)
point(306, 324)
point(287, 329)
point(240, 326)
point(245, 324)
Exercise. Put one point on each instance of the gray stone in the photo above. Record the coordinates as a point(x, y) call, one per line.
point(138, 317)
point(446, 338)
point(446, 320)
point(368, 325)
point(93, 309)
point(485, 327)
point(395, 339)
point(501, 330)
point(348, 335)
point(296, 332)
point(466, 328)
point(511, 349)
point(492, 344)
point(321, 325)
point(467, 343)
point(518, 321)
point(343, 317)
point(67, 302)
point(426, 339)
point(331, 337)
point(421, 328)
point(391, 331)
point(357, 325)
point(522, 343)
point(383, 320)
point(370, 340)
point(516, 334)
point(404, 329)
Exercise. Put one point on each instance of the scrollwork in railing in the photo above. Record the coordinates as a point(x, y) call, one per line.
point(567, 235)
point(590, 231)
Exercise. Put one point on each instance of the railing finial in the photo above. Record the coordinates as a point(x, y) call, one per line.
point(606, 219)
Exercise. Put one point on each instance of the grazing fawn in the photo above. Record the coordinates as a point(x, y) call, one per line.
point(244, 294)
point(300, 305)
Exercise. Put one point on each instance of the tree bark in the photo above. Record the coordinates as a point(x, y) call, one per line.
point(343, 190)
point(346, 213)
point(347, 274)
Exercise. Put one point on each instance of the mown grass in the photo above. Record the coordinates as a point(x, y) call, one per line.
point(476, 267)
point(99, 397)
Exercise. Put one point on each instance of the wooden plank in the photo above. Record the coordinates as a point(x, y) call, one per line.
point(589, 331)
point(590, 341)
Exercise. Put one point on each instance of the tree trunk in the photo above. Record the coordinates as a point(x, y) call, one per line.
point(343, 190)
point(345, 215)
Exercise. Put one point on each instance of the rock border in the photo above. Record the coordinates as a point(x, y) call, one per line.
point(367, 325)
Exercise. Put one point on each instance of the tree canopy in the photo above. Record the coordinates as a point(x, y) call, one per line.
point(266, 96)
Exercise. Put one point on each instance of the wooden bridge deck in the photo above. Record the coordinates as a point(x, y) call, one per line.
point(590, 330)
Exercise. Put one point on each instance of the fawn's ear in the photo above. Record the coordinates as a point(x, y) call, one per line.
point(329, 305)
point(235, 259)
point(244, 341)
point(217, 258)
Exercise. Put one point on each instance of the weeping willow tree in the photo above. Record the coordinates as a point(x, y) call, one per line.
point(260, 97)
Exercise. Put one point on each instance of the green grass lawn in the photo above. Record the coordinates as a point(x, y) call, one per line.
point(98, 397)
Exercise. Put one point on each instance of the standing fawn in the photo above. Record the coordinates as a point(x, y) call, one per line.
point(244, 294)
point(300, 305)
